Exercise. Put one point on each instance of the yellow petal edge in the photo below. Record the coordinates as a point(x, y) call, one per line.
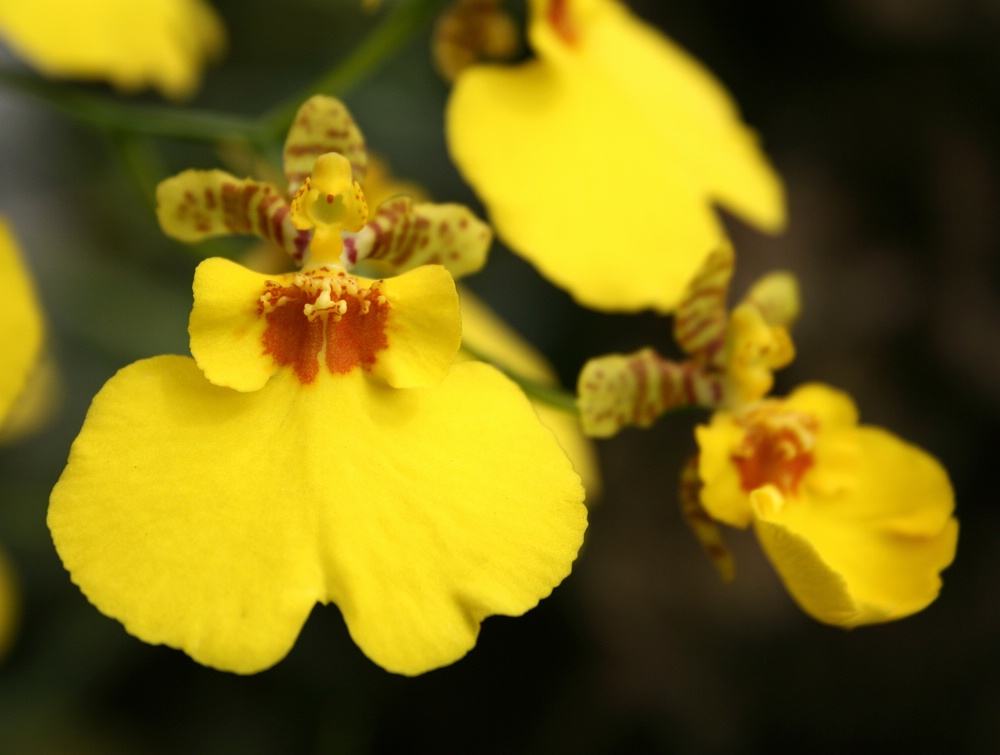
point(161, 43)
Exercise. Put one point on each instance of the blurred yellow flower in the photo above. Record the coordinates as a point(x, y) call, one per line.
point(601, 159)
point(161, 43)
point(857, 522)
point(320, 447)
point(21, 327)
point(27, 380)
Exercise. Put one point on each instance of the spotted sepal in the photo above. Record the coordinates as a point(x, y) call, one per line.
point(702, 317)
point(199, 204)
point(402, 235)
point(635, 389)
point(323, 124)
point(706, 530)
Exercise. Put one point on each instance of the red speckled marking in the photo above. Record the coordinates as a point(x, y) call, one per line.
point(774, 454)
point(352, 339)
point(561, 23)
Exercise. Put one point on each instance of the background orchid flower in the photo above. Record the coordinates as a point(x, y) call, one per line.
point(857, 522)
point(160, 43)
point(605, 155)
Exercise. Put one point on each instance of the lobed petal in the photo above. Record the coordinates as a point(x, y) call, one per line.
point(423, 329)
point(402, 235)
point(21, 326)
point(323, 124)
point(212, 520)
point(199, 204)
point(226, 330)
point(613, 144)
point(161, 43)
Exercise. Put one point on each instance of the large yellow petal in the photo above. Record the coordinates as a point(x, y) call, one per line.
point(491, 338)
point(161, 43)
point(21, 326)
point(212, 520)
point(238, 346)
point(227, 333)
point(600, 161)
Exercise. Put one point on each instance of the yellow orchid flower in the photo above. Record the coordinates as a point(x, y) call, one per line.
point(161, 43)
point(857, 522)
point(320, 446)
point(613, 144)
point(732, 355)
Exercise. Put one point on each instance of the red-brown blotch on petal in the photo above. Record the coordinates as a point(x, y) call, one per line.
point(324, 309)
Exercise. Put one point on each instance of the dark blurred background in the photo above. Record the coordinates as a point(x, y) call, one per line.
point(882, 115)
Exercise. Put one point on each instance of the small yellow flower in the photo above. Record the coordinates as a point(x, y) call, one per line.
point(161, 43)
point(605, 155)
point(320, 446)
point(857, 522)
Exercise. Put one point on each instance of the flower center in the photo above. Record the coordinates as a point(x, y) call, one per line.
point(329, 202)
point(324, 314)
point(777, 448)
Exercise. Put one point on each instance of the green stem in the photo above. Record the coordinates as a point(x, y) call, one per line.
point(387, 38)
point(138, 120)
point(554, 396)
point(140, 163)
